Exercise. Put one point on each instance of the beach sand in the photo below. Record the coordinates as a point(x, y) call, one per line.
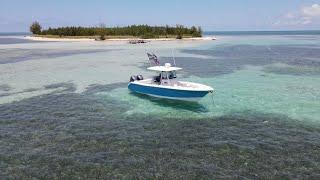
point(33, 38)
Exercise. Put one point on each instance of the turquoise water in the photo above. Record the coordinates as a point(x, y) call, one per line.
point(295, 97)
point(66, 112)
point(263, 33)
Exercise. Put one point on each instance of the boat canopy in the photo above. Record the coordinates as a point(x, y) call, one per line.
point(166, 68)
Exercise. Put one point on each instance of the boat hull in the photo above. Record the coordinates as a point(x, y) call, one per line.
point(168, 93)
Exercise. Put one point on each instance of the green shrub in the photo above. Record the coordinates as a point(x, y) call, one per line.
point(35, 28)
point(142, 31)
point(148, 36)
point(102, 37)
point(179, 36)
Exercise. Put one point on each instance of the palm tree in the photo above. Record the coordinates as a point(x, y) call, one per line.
point(179, 31)
point(200, 31)
point(101, 30)
point(167, 30)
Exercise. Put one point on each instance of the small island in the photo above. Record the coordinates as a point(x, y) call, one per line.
point(102, 32)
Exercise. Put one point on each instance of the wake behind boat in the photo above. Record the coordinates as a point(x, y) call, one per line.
point(166, 85)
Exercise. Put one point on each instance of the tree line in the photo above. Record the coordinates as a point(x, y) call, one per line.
point(142, 31)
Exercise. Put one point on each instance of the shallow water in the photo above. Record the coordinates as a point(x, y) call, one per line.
point(65, 111)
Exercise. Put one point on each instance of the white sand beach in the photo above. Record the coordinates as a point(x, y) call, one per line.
point(34, 38)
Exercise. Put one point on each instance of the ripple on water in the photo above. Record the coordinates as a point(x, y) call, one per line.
point(17, 55)
point(71, 135)
point(263, 125)
point(303, 60)
point(5, 87)
point(249, 89)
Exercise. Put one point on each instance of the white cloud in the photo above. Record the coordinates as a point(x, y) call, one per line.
point(305, 16)
point(289, 16)
point(313, 11)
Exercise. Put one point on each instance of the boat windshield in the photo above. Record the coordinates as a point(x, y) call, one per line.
point(172, 74)
point(163, 76)
point(168, 75)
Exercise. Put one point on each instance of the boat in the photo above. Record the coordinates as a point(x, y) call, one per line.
point(139, 41)
point(166, 85)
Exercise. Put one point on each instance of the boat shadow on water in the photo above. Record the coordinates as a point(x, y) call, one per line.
point(177, 104)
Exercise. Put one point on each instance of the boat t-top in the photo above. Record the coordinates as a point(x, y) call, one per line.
point(166, 85)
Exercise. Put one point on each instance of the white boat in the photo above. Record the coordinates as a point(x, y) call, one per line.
point(166, 85)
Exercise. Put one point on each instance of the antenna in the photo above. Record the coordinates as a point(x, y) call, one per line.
point(174, 59)
point(146, 51)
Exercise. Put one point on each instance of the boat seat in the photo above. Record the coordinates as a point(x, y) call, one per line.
point(156, 78)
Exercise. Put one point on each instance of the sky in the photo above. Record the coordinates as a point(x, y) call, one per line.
point(211, 15)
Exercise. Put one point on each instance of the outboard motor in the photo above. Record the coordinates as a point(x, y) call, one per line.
point(133, 78)
point(139, 77)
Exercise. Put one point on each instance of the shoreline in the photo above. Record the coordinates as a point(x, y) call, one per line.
point(68, 39)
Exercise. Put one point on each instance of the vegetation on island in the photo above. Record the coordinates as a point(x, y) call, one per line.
point(101, 31)
point(35, 28)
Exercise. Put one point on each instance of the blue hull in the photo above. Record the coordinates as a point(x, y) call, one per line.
point(167, 93)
